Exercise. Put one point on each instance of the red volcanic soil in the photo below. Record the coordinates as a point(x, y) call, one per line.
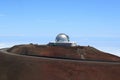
point(78, 52)
point(17, 65)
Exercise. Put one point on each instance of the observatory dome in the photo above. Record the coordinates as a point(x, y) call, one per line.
point(62, 38)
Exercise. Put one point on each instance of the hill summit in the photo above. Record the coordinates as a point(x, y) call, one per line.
point(45, 62)
point(76, 52)
point(58, 60)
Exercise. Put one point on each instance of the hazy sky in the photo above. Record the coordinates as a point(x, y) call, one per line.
point(87, 22)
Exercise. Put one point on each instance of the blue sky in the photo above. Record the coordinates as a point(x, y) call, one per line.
point(87, 22)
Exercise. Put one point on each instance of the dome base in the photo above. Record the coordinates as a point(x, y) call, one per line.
point(62, 44)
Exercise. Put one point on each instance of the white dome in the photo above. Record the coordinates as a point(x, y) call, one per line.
point(62, 38)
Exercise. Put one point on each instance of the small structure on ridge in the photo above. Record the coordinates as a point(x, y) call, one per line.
point(62, 40)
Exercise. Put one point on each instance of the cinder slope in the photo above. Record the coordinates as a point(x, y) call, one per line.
point(21, 67)
point(79, 52)
point(18, 65)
